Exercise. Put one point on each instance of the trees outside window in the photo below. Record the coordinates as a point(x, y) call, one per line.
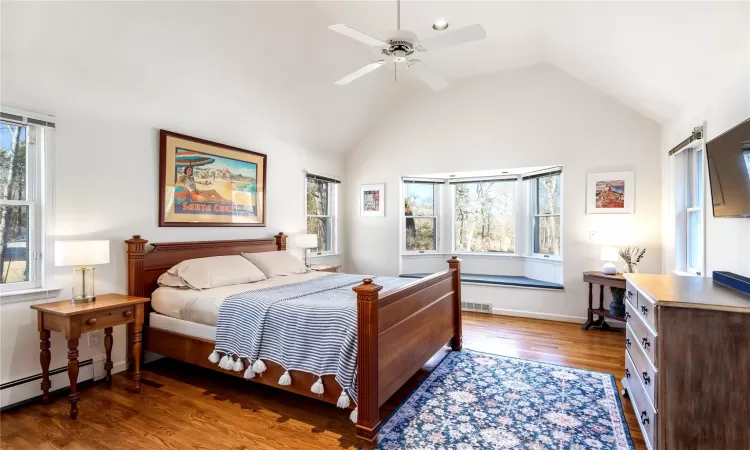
point(321, 208)
point(484, 216)
point(546, 221)
point(420, 213)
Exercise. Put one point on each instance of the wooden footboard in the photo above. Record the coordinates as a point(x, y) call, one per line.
point(398, 333)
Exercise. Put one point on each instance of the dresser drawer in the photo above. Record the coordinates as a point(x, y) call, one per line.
point(647, 309)
point(645, 371)
point(643, 334)
point(631, 293)
point(644, 411)
point(107, 318)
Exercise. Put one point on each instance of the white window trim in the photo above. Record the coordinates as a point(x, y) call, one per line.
point(701, 210)
point(334, 215)
point(681, 203)
point(531, 195)
point(516, 208)
point(437, 206)
point(42, 185)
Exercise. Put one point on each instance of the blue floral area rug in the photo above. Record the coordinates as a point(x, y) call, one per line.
point(476, 400)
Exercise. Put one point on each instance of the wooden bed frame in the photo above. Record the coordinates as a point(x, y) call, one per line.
point(398, 332)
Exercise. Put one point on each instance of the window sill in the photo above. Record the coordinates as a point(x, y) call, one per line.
point(682, 273)
point(500, 256)
point(28, 295)
point(325, 255)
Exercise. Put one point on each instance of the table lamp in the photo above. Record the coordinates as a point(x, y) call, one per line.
point(306, 242)
point(610, 255)
point(82, 254)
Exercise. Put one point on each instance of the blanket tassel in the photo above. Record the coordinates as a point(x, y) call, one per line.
point(214, 357)
point(317, 387)
point(238, 366)
point(249, 372)
point(224, 362)
point(259, 366)
point(353, 415)
point(343, 400)
point(285, 379)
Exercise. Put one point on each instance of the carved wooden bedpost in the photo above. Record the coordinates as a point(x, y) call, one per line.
point(368, 419)
point(281, 241)
point(454, 264)
point(136, 250)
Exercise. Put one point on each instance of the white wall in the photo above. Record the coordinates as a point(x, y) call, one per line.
point(113, 76)
point(721, 106)
point(535, 116)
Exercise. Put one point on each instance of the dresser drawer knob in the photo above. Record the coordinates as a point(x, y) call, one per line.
point(127, 313)
point(645, 342)
point(644, 310)
point(646, 378)
point(627, 316)
point(627, 342)
point(644, 418)
point(630, 294)
point(91, 321)
point(627, 373)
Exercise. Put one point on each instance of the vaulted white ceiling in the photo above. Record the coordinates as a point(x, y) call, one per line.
point(652, 56)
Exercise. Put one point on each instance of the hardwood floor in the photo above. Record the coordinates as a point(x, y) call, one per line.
point(183, 406)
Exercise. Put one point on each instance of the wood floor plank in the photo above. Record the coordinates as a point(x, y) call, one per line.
point(187, 407)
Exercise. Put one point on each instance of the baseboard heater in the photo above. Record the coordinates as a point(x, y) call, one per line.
point(477, 307)
point(37, 377)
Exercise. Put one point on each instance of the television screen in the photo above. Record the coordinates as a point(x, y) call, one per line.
point(729, 172)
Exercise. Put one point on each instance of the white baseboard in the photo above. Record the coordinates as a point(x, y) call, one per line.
point(538, 315)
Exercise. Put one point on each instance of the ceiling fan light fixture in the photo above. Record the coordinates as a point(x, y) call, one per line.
point(440, 24)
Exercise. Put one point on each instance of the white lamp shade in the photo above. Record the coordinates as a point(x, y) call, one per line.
point(81, 253)
point(306, 240)
point(609, 254)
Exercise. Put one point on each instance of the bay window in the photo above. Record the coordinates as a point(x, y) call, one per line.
point(484, 216)
point(421, 215)
point(546, 210)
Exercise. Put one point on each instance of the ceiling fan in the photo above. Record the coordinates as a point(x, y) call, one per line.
point(401, 45)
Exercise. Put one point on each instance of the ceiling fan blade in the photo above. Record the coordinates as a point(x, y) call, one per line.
point(358, 35)
point(360, 72)
point(462, 36)
point(427, 74)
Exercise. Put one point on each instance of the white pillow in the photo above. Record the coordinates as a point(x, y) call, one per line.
point(212, 272)
point(276, 264)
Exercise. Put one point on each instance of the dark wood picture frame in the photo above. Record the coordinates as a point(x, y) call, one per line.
point(261, 199)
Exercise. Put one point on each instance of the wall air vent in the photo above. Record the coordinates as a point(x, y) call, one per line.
point(477, 307)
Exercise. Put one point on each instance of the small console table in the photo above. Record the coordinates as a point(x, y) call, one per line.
point(602, 279)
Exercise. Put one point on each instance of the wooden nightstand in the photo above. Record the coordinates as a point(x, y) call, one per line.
point(324, 268)
point(107, 311)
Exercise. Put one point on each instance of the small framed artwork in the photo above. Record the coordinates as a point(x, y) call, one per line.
point(372, 200)
point(207, 184)
point(610, 193)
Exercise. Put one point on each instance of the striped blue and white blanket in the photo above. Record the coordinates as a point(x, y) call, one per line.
point(310, 326)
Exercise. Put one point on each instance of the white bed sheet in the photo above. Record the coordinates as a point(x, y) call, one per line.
point(202, 307)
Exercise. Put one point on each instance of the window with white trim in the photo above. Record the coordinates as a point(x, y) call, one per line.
point(321, 194)
point(546, 212)
point(484, 212)
point(694, 209)
point(421, 212)
point(22, 146)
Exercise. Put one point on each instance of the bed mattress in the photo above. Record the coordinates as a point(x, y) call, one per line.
point(202, 307)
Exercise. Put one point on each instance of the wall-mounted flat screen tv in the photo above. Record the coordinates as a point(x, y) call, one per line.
point(729, 171)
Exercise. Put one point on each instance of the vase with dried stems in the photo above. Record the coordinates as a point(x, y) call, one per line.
point(632, 256)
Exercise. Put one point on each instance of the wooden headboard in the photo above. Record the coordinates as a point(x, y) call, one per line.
point(145, 267)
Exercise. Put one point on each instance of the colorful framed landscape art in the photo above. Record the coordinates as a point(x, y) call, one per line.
point(610, 193)
point(207, 184)
point(372, 200)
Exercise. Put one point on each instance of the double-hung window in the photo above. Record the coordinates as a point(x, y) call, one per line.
point(545, 213)
point(321, 200)
point(421, 211)
point(22, 148)
point(484, 216)
point(694, 209)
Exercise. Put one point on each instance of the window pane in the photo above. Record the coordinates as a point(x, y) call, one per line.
point(317, 197)
point(698, 180)
point(15, 241)
point(420, 234)
point(547, 235)
point(12, 161)
point(548, 195)
point(484, 217)
point(694, 250)
point(323, 227)
point(420, 199)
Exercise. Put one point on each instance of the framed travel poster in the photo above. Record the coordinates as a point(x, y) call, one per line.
point(372, 200)
point(206, 184)
point(610, 193)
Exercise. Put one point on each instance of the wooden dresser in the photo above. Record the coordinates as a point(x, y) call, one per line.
point(687, 362)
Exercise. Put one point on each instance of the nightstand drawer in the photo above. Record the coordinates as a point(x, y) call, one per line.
point(107, 318)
